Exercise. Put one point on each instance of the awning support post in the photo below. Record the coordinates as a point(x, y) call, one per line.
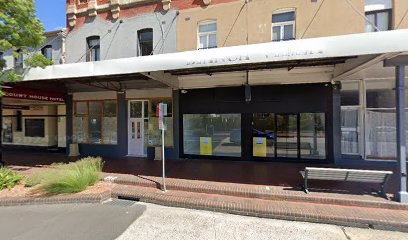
point(401, 131)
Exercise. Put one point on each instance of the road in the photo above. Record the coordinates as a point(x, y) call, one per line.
point(125, 220)
point(67, 221)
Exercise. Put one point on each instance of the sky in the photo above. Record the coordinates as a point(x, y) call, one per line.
point(51, 13)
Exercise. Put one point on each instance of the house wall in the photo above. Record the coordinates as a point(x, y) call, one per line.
point(54, 40)
point(236, 20)
point(119, 40)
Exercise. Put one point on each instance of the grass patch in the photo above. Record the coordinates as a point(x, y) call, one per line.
point(68, 178)
point(9, 178)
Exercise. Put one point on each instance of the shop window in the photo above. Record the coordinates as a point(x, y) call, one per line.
point(350, 117)
point(145, 42)
point(47, 52)
point(283, 26)
point(93, 49)
point(34, 128)
point(95, 122)
point(312, 136)
point(212, 134)
point(207, 35)
point(378, 15)
point(19, 61)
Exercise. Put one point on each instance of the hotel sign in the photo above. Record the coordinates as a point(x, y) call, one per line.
point(34, 95)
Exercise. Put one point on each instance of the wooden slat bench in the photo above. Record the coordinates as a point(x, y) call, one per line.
point(349, 175)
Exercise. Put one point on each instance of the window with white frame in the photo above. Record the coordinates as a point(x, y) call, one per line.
point(378, 15)
point(283, 26)
point(207, 35)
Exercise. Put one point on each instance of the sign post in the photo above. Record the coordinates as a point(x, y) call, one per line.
point(162, 111)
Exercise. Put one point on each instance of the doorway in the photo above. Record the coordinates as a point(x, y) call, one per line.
point(137, 124)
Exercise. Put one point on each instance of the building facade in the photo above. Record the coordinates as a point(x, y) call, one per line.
point(295, 111)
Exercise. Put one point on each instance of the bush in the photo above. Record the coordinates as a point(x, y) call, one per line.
point(68, 178)
point(8, 178)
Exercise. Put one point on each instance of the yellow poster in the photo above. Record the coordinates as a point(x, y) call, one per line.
point(259, 144)
point(206, 146)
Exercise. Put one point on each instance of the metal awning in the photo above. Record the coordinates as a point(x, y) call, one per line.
point(265, 55)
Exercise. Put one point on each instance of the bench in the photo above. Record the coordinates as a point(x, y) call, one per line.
point(348, 175)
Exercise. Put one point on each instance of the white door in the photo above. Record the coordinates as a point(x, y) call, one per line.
point(136, 129)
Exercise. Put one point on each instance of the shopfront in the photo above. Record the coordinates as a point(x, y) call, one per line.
point(284, 123)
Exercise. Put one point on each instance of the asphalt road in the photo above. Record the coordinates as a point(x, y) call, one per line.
point(125, 220)
point(67, 221)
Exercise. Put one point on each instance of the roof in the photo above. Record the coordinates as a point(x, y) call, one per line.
point(335, 49)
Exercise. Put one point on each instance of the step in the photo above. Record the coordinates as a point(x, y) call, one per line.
point(351, 216)
point(255, 191)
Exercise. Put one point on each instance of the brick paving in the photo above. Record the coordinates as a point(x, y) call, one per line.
point(256, 191)
point(385, 219)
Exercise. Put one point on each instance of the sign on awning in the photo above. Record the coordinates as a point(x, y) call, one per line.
point(34, 95)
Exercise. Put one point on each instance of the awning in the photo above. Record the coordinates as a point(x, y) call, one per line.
point(314, 49)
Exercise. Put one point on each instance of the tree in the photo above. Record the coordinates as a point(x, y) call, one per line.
point(20, 29)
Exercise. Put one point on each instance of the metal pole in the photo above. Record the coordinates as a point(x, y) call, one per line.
point(163, 160)
point(401, 154)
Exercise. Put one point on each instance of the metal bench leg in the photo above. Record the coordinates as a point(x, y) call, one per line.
point(305, 187)
point(382, 192)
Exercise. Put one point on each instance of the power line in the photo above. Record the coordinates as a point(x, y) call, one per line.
point(313, 18)
point(362, 15)
point(402, 19)
point(235, 21)
point(167, 33)
point(106, 34)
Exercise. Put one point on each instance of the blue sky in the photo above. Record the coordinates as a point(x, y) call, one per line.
point(51, 13)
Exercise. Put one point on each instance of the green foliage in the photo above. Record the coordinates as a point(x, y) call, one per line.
point(9, 178)
point(68, 178)
point(38, 60)
point(20, 29)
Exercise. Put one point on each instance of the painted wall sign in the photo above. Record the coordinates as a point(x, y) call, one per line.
point(15, 107)
point(35, 95)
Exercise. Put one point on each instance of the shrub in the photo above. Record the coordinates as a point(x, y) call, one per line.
point(9, 178)
point(68, 178)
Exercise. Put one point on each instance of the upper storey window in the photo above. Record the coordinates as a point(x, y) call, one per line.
point(145, 39)
point(47, 52)
point(19, 61)
point(207, 35)
point(93, 49)
point(82, 1)
point(283, 26)
point(378, 14)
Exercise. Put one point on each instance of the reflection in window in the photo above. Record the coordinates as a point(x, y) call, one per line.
point(145, 38)
point(312, 136)
point(286, 135)
point(47, 52)
point(212, 134)
point(93, 49)
point(349, 131)
point(263, 135)
point(95, 122)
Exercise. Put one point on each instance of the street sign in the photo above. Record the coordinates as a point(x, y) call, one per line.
point(162, 110)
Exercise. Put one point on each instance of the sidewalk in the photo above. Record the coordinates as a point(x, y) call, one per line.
point(265, 201)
